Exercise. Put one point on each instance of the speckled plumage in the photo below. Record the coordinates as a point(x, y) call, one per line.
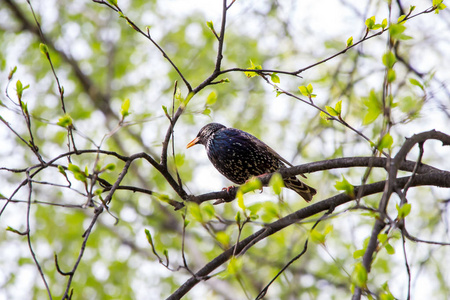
point(239, 155)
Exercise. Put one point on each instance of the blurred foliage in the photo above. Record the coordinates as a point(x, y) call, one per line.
point(121, 64)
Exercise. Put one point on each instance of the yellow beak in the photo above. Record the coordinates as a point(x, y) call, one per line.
point(192, 143)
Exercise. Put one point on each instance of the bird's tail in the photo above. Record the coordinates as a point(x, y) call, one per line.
point(300, 188)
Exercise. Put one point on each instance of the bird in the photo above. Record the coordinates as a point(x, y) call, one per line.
point(239, 156)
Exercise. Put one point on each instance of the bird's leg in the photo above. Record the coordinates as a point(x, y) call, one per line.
point(231, 193)
point(228, 188)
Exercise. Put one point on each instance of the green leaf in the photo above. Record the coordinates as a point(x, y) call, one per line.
point(382, 237)
point(386, 142)
point(396, 32)
point(374, 108)
point(303, 90)
point(24, 107)
point(177, 95)
point(252, 184)
point(110, 167)
point(359, 275)
point(331, 111)
point(317, 237)
point(11, 73)
point(223, 238)
point(212, 98)
point(386, 295)
point(124, 110)
point(43, 48)
point(345, 186)
point(208, 209)
point(149, 237)
point(390, 250)
point(237, 217)
point(389, 59)
point(235, 265)
point(384, 24)
point(274, 77)
point(206, 111)
point(77, 173)
point(349, 41)
point(196, 213)
point(165, 110)
point(401, 19)
point(20, 88)
point(253, 67)
point(391, 75)
point(370, 22)
point(61, 170)
point(338, 107)
point(325, 116)
point(240, 200)
point(438, 4)
point(416, 83)
point(404, 210)
point(65, 121)
point(74, 168)
point(277, 183)
point(320, 237)
point(358, 253)
point(9, 228)
point(255, 208)
point(210, 25)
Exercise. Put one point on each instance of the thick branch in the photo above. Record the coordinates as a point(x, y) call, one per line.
point(337, 163)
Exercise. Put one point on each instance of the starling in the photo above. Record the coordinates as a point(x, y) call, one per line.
point(239, 156)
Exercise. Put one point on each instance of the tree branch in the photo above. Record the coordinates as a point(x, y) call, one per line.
point(441, 179)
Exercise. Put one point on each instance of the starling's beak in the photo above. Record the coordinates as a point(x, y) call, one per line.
point(192, 143)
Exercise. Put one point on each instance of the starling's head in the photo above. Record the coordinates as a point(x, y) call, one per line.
point(205, 134)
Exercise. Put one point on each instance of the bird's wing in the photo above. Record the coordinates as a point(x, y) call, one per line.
point(260, 143)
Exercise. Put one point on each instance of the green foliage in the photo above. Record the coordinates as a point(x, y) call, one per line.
point(43, 48)
point(404, 210)
point(277, 183)
point(12, 72)
point(20, 88)
point(359, 275)
point(386, 294)
point(336, 111)
point(389, 59)
point(372, 25)
point(319, 237)
point(345, 186)
point(274, 77)
point(121, 64)
point(253, 67)
point(349, 41)
point(307, 91)
point(396, 32)
point(385, 142)
point(78, 173)
point(439, 5)
point(212, 98)
point(65, 121)
point(125, 108)
point(374, 108)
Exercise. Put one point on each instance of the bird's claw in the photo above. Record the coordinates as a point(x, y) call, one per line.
point(228, 188)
